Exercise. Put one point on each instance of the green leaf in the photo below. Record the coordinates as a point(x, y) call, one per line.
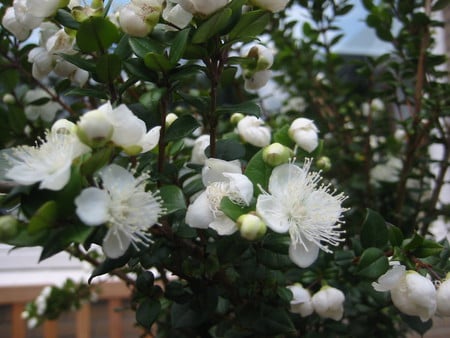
point(417, 324)
point(227, 150)
point(66, 19)
point(173, 198)
point(212, 26)
point(250, 24)
point(44, 218)
point(143, 46)
point(108, 265)
point(90, 92)
point(258, 172)
point(178, 46)
point(374, 232)
point(157, 62)
point(233, 210)
point(144, 282)
point(136, 67)
point(79, 61)
point(98, 160)
point(344, 258)
point(108, 67)
point(96, 34)
point(147, 312)
point(247, 108)
point(272, 259)
point(395, 235)
point(373, 263)
point(412, 243)
point(428, 248)
point(181, 127)
point(282, 136)
point(440, 4)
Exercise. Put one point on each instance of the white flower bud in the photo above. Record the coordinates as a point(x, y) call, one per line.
point(170, 118)
point(139, 17)
point(10, 22)
point(305, 134)
point(252, 130)
point(251, 227)
point(276, 154)
point(263, 56)
point(94, 127)
point(236, 117)
point(328, 302)
point(270, 5)
point(301, 300)
point(202, 7)
point(176, 15)
point(198, 151)
point(9, 99)
point(256, 80)
point(443, 298)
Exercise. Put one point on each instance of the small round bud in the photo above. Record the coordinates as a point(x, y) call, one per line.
point(324, 163)
point(9, 99)
point(236, 117)
point(251, 226)
point(9, 227)
point(170, 118)
point(276, 154)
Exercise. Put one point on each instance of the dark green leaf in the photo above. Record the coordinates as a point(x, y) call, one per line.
point(412, 243)
point(147, 312)
point(233, 210)
point(178, 46)
point(227, 150)
point(395, 235)
point(250, 24)
point(108, 67)
point(212, 26)
point(440, 4)
point(44, 218)
point(417, 324)
point(258, 172)
point(100, 94)
point(282, 136)
point(143, 46)
point(157, 62)
point(247, 108)
point(96, 34)
point(273, 260)
point(108, 265)
point(374, 232)
point(144, 282)
point(181, 127)
point(66, 19)
point(173, 198)
point(373, 263)
point(428, 248)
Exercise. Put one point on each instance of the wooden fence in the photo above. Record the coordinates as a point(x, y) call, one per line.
point(104, 315)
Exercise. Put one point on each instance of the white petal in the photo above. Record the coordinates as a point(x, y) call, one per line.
point(128, 128)
point(57, 180)
point(241, 185)
point(270, 209)
point(115, 243)
point(150, 140)
point(214, 169)
point(258, 80)
point(282, 177)
point(301, 256)
point(390, 279)
point(199, 214)
point(92, 206)
point(117, 179)
point(224, 225)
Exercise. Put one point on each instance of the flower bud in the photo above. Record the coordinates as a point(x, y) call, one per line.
point(9, 227)
point(11, 23)
point(9, 99)
point(236, 117)
point(256, 80)
point(270, 5)
point(170, 118)
point(276, 154)
point(305, 134)
point(202, 7)
point(251, 227)
point(328, 302)
point(63, 126)
point(252, 130)
point(324, 163)
point(301, 300)
point(443, 298)
point(139, 17)
point(94, 128)
point(262, 55)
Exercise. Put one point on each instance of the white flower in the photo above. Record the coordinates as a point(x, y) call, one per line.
point(10, 22)
point(139, 17)
point(411, 293)
point(176, 15)
point(328, 302)
point(48, 163)
point(308, 211)
point(262, 55)
point(24, 16)
point(42, 62)
point(305, 134)
point(46, 111)
point(222, 179)
point(386, 172)
point(295, 104)
point(198, 151)
point(443, 298)
point(202, 7)
point(95, 127)
point(301, 300)
point(45, 8)
point(123, 205)
point(252, 130)
point(270, 5)
point(256, 80)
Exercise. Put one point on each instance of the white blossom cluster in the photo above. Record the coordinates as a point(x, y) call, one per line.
point(414, 294)
point(121, 203)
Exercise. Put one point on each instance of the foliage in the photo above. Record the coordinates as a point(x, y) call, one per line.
point(217, 259)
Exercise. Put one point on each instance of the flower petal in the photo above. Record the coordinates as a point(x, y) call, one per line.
point(223, 225)
point(241, 185)
point(199, 214)
point(150, 140)
point(270, 210)
point(116, 179)
point(304, 254)
point(57, 180)
point(390, 279)
point(214, 169)
point(284, 176)
point(92, 206)
point(115, 243)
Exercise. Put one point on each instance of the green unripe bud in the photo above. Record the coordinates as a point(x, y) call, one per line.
point(236, 117)
point(9, 99)
point(324, 163)
point(9, 227)
point(251, 227)
point(276, 153)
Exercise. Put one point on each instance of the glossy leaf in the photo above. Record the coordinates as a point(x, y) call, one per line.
point(147, 312)
point(181, 127)
point(374, 232)
point(44, 218)
point(250, 24)
point(212, 26)
point(173, 198)
point(96, 34)
point(373, 263)
point(108, 67)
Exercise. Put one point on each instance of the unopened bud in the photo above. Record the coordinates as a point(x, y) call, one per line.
point(276, 154)
point(9, 227)
point(170, 118)
point(324, 163)
point(9, 99)
point(251, 226)
point(236, 117)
